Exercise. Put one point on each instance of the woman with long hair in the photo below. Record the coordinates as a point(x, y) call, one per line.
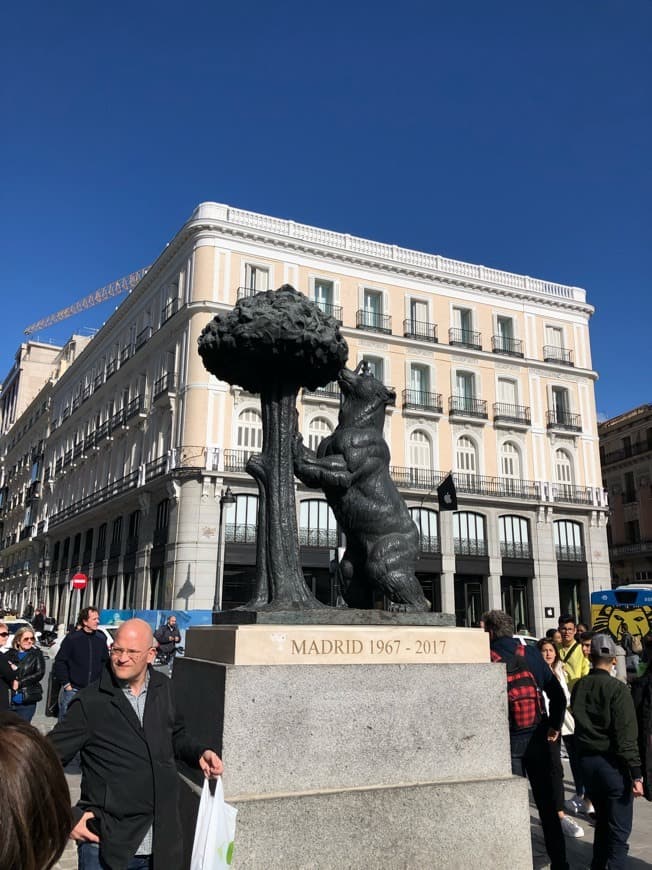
point(550, 655)
point(28, 666)
point(36, 819)
point(6, 674)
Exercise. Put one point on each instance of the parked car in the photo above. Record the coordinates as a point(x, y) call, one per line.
point(526, 639)
point(13, 625)
point(107, 630)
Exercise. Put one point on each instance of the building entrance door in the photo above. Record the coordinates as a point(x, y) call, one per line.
point(470, 601)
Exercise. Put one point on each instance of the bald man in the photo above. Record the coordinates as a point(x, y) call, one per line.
point(129, 734)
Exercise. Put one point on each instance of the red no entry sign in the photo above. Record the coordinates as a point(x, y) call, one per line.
point(79, 581)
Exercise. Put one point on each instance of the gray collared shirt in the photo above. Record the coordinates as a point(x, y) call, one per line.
point(138, 704)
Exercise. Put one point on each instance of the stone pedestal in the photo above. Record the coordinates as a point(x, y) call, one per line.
point(389, 749)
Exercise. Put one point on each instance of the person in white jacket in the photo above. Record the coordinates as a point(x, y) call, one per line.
point(550, 655)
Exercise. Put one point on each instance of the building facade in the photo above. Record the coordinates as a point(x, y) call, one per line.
point(626, 456)
point(493, 378)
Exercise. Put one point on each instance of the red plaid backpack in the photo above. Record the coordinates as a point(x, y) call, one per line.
point(523, 694)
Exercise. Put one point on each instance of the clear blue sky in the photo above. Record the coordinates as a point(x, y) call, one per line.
point(513, 134)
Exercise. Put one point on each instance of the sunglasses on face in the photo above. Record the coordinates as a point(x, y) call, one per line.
point(4, 634)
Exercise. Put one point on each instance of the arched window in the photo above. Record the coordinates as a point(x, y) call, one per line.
point(470, 534)
point(318, 429)
point(564, 473)
point(427, 522)
point(514, 538)
point(241, 519)
point(466, 459)
point(250, 430)
point(510, 461)
point(569, 545)
point(420, 450)
point(317, 524)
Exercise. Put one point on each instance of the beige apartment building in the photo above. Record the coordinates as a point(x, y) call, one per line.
point(493, 378)
point(626, 455)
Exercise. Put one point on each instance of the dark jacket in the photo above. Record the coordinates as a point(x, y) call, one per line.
point(548, 682)
point(81, 658)
point(167, 637)
point(642, 698)
point(128, 773)
point(6, 679)
point(605, 719)
point(30, 670)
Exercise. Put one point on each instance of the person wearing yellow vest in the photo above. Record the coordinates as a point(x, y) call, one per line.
point(573, 661)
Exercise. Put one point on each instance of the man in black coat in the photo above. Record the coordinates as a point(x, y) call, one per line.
point(168, 637)
point(129, 733)
point(81, 658)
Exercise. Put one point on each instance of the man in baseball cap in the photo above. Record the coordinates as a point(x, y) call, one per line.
point(606, 736)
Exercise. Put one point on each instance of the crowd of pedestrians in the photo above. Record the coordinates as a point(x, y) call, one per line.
point(572, 691)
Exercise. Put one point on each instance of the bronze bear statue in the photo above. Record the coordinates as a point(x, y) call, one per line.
point(352, 468)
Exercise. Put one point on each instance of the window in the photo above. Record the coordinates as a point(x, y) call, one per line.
point(469, 534)
point(317, 524)
point(418, 311)
point(427, 522)
point(555, 337)
point(464, 391)
point(466, 458)
point(505, 329)
point(116, 531)
point(507, 392)
point(420, 450)
point(318, 429)
point(419, 381)
point(372, 311)
point(376, 366)
point(250, 430)
point(241, 519)
point(568, 541)
point(162, 514)
point(134, 523)
point(564, 472)
point(256, 278)
point(463, 320)
point(324, 294)
point(514, 538)
point(629, 494)
point(510, 461)
point(632, 532)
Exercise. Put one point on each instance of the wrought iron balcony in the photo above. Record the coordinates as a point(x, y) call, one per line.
point(511, 413)
point(165, 384)
point(633, 549)
point(319, 538)
point(554, 354)
point(98, 381)
point(563, 420)
point(136, 406)
point(236, 460)
point(570, 553)
point(571, 494)
point(416, 478)
point(330, 391)
point(422, 401)
point(508, 346)
point(470, 547)
point(515, 550)
point(143, 336)
point(77, 450)
point(465, 338)
point(429, 544)
point(335, 311)
point(466, 406)
point(171, 308)
point(240, 533)
point(111, 368)
point(245, 292)
point(125, 353)
point(420, 330)
point(371, 320)
point(155, 468)
point(634, 449)
point(497, 487)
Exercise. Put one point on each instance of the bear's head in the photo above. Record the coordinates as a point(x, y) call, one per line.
point(364, 398)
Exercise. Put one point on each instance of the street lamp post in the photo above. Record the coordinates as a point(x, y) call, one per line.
point(226, 497)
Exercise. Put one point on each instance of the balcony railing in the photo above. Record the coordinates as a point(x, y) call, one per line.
point(511, 413)
point(335, 311)
point(77, 450)
point(422, 401)
point(465, 406)
point(143, 336)
point(429, 544)
point(125, 353)
point(319, 538)
point(136, 406)
point(571, 494)
point(117, 487)
point(246, 292)
point(366, 319)
point(554, 354)
point(163, 385)
point(169, 310)
point(634, 449)
point(98, 381)
point(634, 549)
point(236, 460)
point(420, 330)
point(465, 338)
point(25, 533)
point(570, 553)
point(330, 391)
point(508, 346)
point(515, 550)
point(240, 533)
point(155, 468)
point(416, 478)
point(469, 547)
point(563, 420)
point(112, 367)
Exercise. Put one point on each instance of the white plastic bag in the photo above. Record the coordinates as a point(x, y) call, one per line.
point(212, 848)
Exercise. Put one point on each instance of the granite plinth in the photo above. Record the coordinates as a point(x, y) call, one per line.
point(330, 616)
